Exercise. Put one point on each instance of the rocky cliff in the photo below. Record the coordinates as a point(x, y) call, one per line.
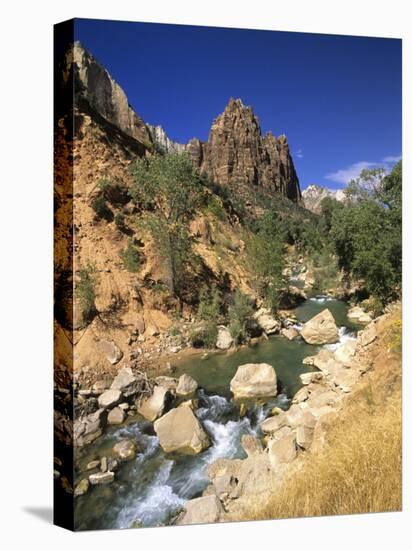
point(239, 156)
point(162, 140)
point(313, 195)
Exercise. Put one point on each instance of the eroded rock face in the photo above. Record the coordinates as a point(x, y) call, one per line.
point(180, 431)
point(237, 155)
point(321, 329)
point(254, 380)
point(95, 85)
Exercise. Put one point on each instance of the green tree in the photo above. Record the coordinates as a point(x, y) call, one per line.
point(167, 188)
point(131, 257)
point(266, 255)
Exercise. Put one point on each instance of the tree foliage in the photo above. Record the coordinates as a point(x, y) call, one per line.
point(167, 188)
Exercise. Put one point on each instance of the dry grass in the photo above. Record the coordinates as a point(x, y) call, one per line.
point(360, 469)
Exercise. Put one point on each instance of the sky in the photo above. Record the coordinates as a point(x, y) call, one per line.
point(338, 99)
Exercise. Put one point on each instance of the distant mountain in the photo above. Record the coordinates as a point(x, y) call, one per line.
point(314, 194)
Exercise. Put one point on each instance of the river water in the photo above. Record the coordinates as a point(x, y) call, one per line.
point(153, 488)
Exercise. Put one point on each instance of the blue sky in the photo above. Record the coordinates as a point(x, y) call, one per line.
point(338, 99)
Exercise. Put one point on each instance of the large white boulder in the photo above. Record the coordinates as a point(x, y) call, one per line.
point(206, 509)
point(186, 386)
point(321, 329)
point(254, 380)
point(152, 407)
point(180, 431)
point(224, 338)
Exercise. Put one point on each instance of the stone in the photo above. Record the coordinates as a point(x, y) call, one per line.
point(186, 386)
point(100, 386)
point(267, 322)
point(88, 429)
point(254, 380)
point(311, 377)
point(282, 451)
point(153, 406)
point(82, 487)
point(290, 333)
point(304, 436)
point(224, 338)
point(346, 352)
point(321, 329)
point(103, 464)
point(272, 424)
point(367, 335)
point(111, 351)
point(109, 398)
point(180, 431)
point(116, 416)
point(125, 449)
point(301, 395)
point(251, 445)
point(167, 382)
point(294, 416)
point(206, 509)
point(125, 381)
point(101, 478)
point(93, 464)
point(358, 314)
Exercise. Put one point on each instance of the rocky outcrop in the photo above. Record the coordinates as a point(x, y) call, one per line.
point(94, 85)
point(358, 314)
point(237, 155)
point(163, 142)
point(180, 431)
point(321, 329)
point(254, 380)
point(313, 196)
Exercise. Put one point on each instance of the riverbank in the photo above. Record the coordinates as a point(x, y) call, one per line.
point(356, 467)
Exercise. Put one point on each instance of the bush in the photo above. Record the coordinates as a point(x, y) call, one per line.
point(119, 221)
point(101, 209)
point(239, 313)
point(131, 257)
point(209, 304)
point(204, 337)
point(85, 291)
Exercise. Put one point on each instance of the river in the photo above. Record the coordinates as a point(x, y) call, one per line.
point(153, 488)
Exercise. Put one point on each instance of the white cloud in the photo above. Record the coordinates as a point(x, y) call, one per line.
point(345, 175)
point(349, 173)
point(392, 159)
point(299, 153)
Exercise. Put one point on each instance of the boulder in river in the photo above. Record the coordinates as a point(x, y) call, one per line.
point(254, 380)
point(180, 431)
point(116, 416)
point(357, 313)
point(101, 478)
point(224, 338)
point(202, 510)
point(125, 449)
point(186, 386)
point(153, 406)
point(266, 321)
point(321, 329)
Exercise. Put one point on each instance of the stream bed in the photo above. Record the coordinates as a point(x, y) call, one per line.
point(153, 488)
